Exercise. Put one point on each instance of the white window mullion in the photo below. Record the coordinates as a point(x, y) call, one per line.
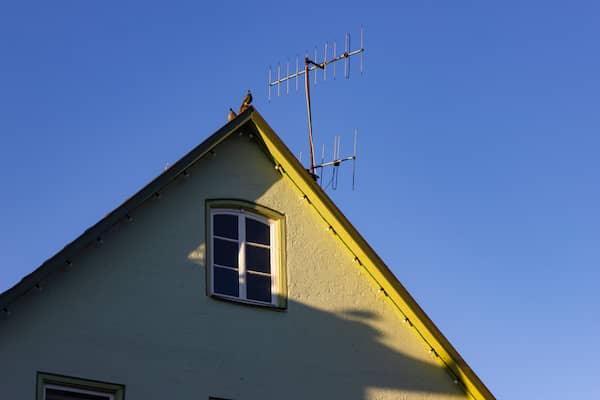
point(242, 254)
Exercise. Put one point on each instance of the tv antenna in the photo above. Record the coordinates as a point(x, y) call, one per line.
point(313, 65)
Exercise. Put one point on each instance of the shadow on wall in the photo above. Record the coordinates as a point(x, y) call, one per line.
point(302, 353)
point(312, 353)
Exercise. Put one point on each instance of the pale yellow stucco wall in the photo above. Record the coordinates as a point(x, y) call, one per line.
point(133, 310)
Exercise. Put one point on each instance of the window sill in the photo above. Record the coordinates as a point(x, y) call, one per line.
point(248, 303)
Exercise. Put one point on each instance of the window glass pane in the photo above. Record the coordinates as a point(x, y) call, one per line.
point(226, 253)
point(258, 258)
point(225, 225)
point(257, 232)
point(258, 287)
point(60, 394)
point(226, 281)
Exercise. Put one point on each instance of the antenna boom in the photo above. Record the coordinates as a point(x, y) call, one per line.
point(314, 65)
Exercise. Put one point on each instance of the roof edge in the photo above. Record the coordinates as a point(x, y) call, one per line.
point(63, 257)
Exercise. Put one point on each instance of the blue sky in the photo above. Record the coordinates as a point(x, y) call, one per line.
point(477, 177)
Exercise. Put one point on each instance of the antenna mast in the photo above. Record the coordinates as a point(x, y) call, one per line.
point(311, 65)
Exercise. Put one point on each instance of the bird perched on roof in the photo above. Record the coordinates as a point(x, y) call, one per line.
point(246, 102)
point(231, 114)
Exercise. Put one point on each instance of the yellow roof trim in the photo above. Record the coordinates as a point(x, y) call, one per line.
point(366, 257)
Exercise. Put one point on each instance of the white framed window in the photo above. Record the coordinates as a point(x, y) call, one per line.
point(246, 254)
point(58, 387)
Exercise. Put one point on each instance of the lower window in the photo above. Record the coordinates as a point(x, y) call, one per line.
point(58, 387)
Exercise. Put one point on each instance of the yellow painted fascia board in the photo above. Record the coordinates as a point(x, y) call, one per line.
point(366, 257)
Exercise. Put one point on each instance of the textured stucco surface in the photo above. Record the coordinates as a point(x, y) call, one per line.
point(133, 310)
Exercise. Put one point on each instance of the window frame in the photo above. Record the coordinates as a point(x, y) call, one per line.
point(77, 385)
point(276, 222)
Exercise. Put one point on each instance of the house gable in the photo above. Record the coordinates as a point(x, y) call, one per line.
point(135, 300)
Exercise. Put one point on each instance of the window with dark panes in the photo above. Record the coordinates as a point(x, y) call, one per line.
point(242, 256)
point(64, 393)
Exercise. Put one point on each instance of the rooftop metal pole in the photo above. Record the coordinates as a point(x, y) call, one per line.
point(310, 135)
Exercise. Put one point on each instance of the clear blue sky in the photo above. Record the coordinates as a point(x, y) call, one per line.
point(478, 172)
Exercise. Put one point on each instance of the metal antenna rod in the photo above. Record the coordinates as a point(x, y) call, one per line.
point(315, 58)
point(322, 161)
point(307, 64)
point(287, 83)
point(336, 162)
point(297, 73)
point(354, 158)
point(278, 76)
point(325, 60)
point(334, 56)
point(362, 62)
point(269, 85)
point(335, 147)
point(347, 60)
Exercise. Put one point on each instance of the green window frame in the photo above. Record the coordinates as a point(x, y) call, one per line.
point(54, 386)
point(245, 245)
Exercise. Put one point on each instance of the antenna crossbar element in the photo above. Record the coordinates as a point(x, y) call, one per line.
point(336, 162)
